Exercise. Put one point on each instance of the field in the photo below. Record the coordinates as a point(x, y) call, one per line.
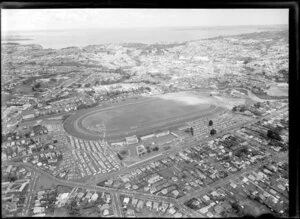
point(149, 114)
point(278, 90)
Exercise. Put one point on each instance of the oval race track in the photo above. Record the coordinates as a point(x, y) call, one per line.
point(143, 117)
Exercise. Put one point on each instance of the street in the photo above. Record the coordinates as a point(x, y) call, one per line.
point(31, 193)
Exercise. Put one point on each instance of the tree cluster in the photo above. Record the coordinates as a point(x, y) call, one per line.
point(274, 135)
point(240, 108)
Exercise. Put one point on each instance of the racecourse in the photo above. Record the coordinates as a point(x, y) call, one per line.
point(149, 114)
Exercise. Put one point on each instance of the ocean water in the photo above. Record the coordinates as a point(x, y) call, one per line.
point(80, 38)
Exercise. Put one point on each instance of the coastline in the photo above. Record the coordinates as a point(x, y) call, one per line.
point(258, 31)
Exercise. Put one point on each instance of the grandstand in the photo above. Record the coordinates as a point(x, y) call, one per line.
point(131, 140)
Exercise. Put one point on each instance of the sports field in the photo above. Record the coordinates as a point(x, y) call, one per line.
point(147, 115)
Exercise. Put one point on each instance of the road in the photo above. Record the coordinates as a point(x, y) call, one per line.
point(116, 206)
point(85, 186)
point(28, 121)
point(31, 193)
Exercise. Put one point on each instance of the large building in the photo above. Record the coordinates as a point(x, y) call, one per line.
point(132, 140)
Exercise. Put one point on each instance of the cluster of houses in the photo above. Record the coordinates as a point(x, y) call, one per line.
point(136, 207)
point(15, 181)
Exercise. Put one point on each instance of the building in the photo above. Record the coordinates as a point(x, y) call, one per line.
point(132, 140)
point(140, 149)
point(126, 200)
point(146, 137)
point(162, 133)
point(28, 116)
point(154, 179)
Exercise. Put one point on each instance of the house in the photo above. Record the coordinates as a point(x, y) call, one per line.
point(177, 215)
point(130, 213)
point(38, 210)
point(154, 179)
point(94, 197)
point(175, 193)
point(52, 161)
point(149, 204)
point(80, 195)
point(107, 197)
point(140, 204)
point(164, 207)
point(12, 207)
point(39, 215)
point(4, 156)
point(105, 212)
point(134, 201)
point(206, 198)
point(126, 200)
point(8, 169)
point(155, 205)
point(172, 210)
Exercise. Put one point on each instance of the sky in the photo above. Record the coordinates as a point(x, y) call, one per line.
point(62, 19)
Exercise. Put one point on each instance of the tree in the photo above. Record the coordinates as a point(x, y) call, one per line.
point(235, 207)
point(192, 131)
point(73, 208)
point(257, 105)
point(210, 123)
point(37, 85)
point(234, 109)
point(155, 148)
point(213, 132)
point(242, 108)
point(148, 149)
point(82, 106)
point(247, 60)
point(12, 177)
point(274, 135)
point(119, 156)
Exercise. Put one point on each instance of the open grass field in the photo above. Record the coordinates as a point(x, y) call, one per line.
point(146, 115)
point(281, 89)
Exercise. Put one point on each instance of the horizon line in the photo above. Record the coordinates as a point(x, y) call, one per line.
point(142, 27)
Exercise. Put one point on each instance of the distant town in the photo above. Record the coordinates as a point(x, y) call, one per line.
point(192, 129)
